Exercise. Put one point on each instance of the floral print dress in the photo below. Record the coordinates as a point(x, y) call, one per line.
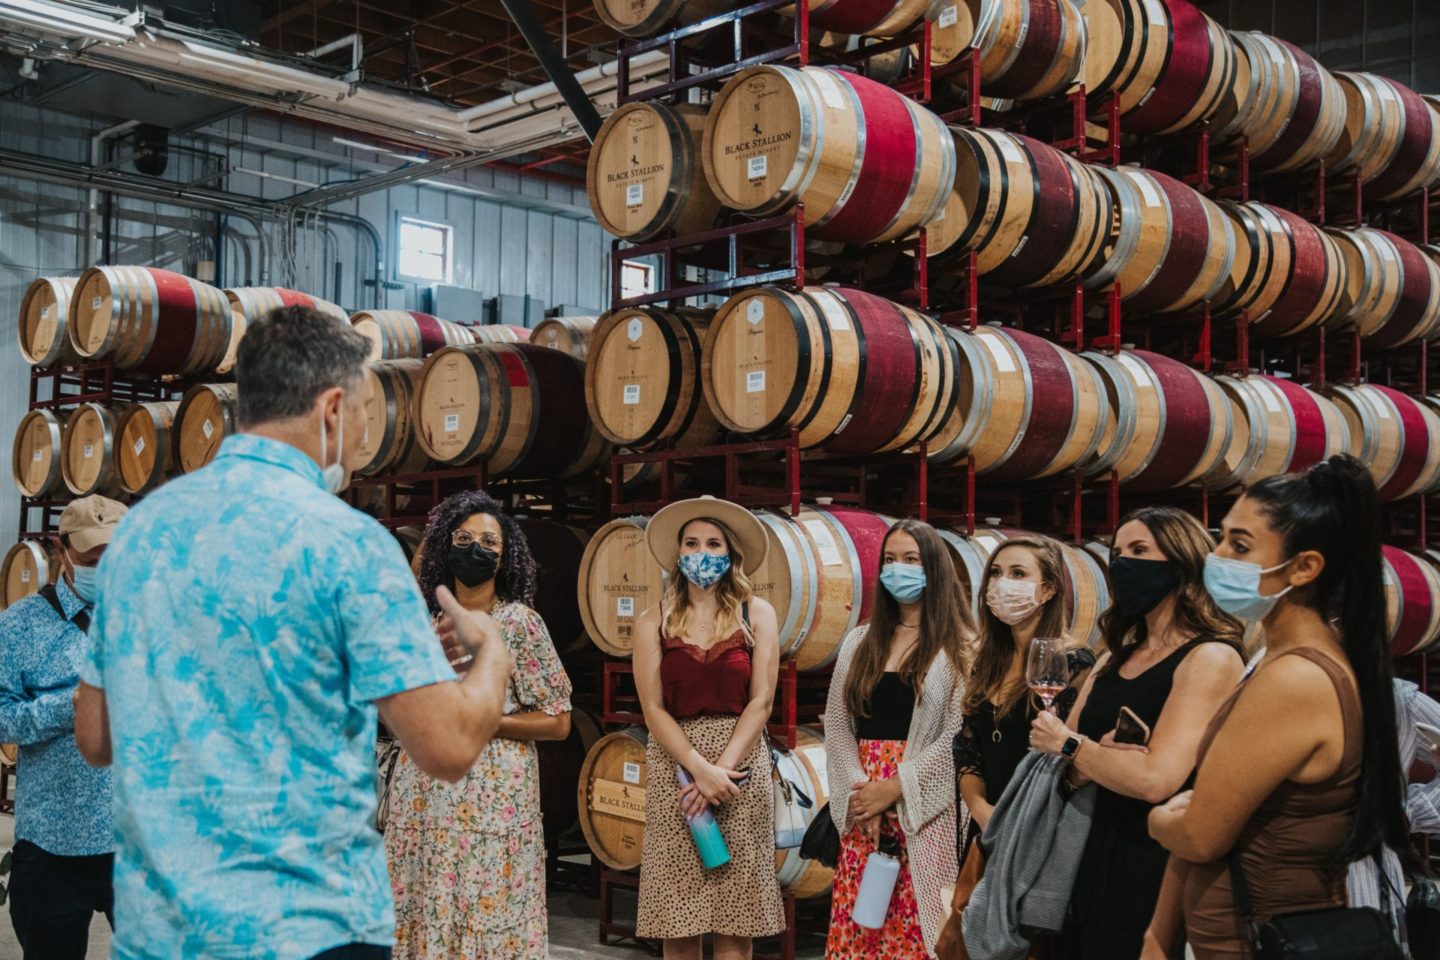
point(467, 860)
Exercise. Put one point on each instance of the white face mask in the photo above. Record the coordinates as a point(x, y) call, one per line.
point(1012, 601)
point(337, 478)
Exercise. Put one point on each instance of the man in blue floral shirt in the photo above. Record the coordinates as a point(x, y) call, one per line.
point(60, 872)
point(251, 624)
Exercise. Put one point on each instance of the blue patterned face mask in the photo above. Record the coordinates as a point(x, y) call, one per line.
point(704, 569)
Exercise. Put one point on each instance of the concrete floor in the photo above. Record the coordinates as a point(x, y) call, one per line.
point(573, 925)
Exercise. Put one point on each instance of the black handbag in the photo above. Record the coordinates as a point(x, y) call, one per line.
point(1331, 933)
point(1422, 920)
point(822, 840)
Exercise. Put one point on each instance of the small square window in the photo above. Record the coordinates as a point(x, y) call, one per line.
point(423, 251)
point(636, 279)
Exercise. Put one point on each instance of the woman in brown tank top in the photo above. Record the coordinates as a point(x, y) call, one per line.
point(1299, 771)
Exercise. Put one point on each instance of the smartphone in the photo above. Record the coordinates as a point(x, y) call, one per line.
point(1131, 729)
point(1430, 734)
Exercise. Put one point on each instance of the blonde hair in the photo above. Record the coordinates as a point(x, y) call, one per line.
point(732, 592)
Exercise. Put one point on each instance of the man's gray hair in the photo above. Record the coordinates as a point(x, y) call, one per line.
point(289, 357)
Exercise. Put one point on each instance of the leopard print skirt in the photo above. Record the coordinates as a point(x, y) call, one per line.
point(678, 896)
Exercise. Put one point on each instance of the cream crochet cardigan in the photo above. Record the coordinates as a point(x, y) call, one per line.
point(927, 807)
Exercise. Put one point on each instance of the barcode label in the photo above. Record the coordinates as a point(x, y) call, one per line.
point(834, 313)
point(948, 17)
point(38, 456)
point(44, 313)
point(89, 451)
point(632, 773)
point(95, 304)
point(755, 381)
point(624, 606)
point(632, 394)
point(1009, 149)
point(139, 446)
point(754, 310)
point(208, 429)
point(757, 167)
point(452, 422)
point(24, 576)
point(634, 194)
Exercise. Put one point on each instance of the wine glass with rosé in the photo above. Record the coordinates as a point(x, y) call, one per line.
point(1047, 670)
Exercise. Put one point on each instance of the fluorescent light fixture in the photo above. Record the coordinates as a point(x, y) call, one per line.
point(443, 185)
point(408, 158)
point(356, 144)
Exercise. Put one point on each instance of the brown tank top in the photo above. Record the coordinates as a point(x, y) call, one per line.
point(1289, 848)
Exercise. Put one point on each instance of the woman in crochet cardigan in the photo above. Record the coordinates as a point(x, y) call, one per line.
point(893, 709)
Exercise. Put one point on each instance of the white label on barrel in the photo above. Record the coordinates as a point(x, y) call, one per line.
point(208, 429)
point(948, 17)
point(36, 457)
point(452, 422)
point(845, 423)
point(829, 90)
point(139, 446)
point(624, 606)
point(634, 328)
point(89, 451)
point(44, 313)
point(988, 544)
point(1003, 361)
point(754, 310)
point(816, 756)
point(634, 194)
point(829, 550)
point(834, 313)
point(757, 167)
point(95, 304)
point(632, 394)
point(1271, 403)
point(1010, 151)
point(1148, 191)
point(755, 381)
point(1387, 252)
point(631, 773)
point(24, 576)
point(1382, 411)
point(1138, 371)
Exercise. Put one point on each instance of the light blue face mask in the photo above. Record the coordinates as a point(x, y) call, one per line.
point(704, 569)
point(1235, 587)
point(904, 581)
point(85, 582)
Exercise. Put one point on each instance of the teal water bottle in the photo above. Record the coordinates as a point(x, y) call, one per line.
point(705, 831)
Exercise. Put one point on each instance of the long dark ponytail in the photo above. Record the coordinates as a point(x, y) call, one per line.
point(1332, 508)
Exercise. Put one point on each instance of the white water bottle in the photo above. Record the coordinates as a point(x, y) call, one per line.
point(877, 884)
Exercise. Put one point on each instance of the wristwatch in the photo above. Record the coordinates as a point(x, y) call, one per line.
point(1070, 746)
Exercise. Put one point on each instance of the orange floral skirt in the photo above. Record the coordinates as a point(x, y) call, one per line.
point(900, 938)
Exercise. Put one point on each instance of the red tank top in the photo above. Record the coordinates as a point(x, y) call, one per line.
point(699, 682)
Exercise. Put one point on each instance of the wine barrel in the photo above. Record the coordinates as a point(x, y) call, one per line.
point(1412, 601)
point(149, 320)
point(873, 18)
point(1391, 137)
point(517, 407)
point(854, 373)
point(1028, 49)
point(146, 450)
point(641, 18)
point(1175, 249)
point(44, 317)
point(390, 442)
point(248, 304)
point(611, 797)
point(1392, 288)
point(642, 378)
point(35, 456)
point(619, 580)
point(1393, 434)
point(805, 768)
point(410, 540)
point(1299, 108)
point(9, 752)
point(1127, 43)
point(1033, 215)
point(1167, 425)
point(1025, 408)
point(559, 552)
point(869, 164)
point(570, 335)
point(206, 417)
point(87, 451)
point(1278, 427)
point(28, 566)
point(407, 334)
point(820, 577)
point(559, 763)
point(644, 177)
point(1292, 276)
point(500, 333)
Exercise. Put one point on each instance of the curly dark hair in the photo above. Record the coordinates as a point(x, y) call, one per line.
point(515, 580)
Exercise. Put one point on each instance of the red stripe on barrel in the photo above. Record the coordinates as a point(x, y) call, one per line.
point(1187, 424)
point(1309, 100)
point(1416, 449)
point(1052, 222)
point(1185, 76)
point(1412, 310)
point(432, 335)
point(1415, 601)
point(1038, 48)
point(887, 388)
point(1052, 409)
point(1311, 431)
point(868, 531)
point(888, 168)
point(852, 16)
point(1305, 288)
point(1189, 241)
point(1414, 145)
point(176, 323)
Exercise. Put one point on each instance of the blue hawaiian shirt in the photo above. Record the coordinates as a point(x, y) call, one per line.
point(247, 621)
point(62, 804)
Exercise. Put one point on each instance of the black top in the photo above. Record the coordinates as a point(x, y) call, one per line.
point(892, 704)
point(1123, 866)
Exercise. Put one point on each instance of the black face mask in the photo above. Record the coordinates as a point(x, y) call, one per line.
point(473, 565)
point(1140, 585)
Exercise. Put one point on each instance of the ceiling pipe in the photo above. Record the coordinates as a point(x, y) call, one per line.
point(530, 27)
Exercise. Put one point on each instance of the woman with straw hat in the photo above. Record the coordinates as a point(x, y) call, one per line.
point(706, 662)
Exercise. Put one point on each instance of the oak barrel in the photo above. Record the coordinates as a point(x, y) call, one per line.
point(516, 407)
point(44, 317)
point(1391, 137)
point(618, 581)
point(27, 567)
point(1412, 600)
point(87, 451)
point(1392, 288)
point(1028, 49)
point(499, 333)
point(207, 415)
point(644, 177)
point(1127, 43)
point(1278, 426)
point(1393, 434)
point(559, 552)
point(406, 334)
point(149, 320)
point(641, 18)
point(776, 359)
point(805, 768)
point(35, 455)
point(868, 163)
point(611, 797)
point(390, 441)
point(410, 539)
point(248, 304)
point(1292, 274)
point(642, 378)
point(1298, 107)
point(1168, 425)
point(559, 763)
point(145, 453)
point(876, 18)
point(570, 335)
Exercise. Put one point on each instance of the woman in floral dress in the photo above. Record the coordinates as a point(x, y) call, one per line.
point(467, 860)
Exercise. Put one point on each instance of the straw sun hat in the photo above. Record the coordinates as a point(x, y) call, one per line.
point(662, 533)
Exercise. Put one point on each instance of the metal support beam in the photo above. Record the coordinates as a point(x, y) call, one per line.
point(530, 27)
